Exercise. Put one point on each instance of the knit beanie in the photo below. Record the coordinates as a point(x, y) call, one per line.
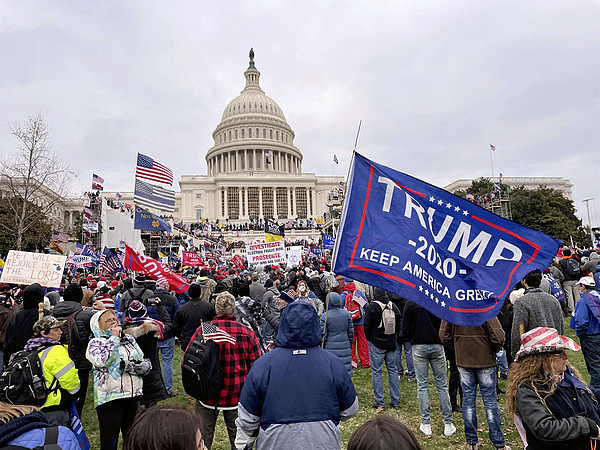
point(136, 310)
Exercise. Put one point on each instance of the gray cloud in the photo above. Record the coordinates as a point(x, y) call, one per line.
point(433, 82)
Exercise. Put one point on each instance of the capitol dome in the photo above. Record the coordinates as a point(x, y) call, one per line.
point(253, 135)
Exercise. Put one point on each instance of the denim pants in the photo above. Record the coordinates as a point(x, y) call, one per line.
point(502, 362)
point(590, 347)
point(423, 356)
point(167, 350)
point(377, 358)
point(487, 379)
point(408, 356)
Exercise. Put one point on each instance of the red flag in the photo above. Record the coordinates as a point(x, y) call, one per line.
point(153, 269)
point(238, 261)
point(191, 259)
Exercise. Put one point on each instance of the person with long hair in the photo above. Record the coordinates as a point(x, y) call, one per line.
point(179, 430)
point(552, 405)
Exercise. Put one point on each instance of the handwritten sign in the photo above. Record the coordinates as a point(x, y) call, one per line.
point(27, 268)
point(265, 253)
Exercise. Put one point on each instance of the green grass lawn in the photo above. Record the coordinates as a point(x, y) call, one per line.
point(409, 412)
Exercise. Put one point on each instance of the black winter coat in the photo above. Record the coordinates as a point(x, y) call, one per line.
point(572, 421)
point(82, 319)
point(373, 332)
point(188, 317)
point(144, 334)
point(20, 329)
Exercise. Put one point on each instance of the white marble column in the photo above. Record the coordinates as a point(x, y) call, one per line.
point(275, 203)
point(294, 202)
point(226, 212)
point(246, 203)
point(241, 211)
point(289, 201)
point(260, 208)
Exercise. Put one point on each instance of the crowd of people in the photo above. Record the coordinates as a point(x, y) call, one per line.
point(288, 341)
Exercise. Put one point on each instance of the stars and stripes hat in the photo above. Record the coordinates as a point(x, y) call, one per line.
point(544, 340)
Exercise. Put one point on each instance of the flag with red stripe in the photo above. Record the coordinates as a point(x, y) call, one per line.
point(149, 169)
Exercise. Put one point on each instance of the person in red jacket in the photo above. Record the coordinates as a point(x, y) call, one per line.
point(238, 349)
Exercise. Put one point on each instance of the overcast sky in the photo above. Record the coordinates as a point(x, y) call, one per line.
point(433, 82)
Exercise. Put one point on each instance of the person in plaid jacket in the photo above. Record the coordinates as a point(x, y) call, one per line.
point(238, 349)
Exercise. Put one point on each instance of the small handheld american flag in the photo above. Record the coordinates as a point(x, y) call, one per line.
point(214, 333)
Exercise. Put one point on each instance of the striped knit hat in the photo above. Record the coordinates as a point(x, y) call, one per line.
point(544, 340)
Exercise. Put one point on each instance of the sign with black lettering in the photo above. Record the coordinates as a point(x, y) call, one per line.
point(27, 267)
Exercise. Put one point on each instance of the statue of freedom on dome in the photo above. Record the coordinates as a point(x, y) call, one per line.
point(251, 54)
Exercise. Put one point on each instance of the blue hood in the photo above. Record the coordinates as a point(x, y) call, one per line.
point(335, 301)
point(299, 326)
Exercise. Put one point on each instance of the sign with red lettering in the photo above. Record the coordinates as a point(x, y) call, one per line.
point(27, 268)
point(191, 259)
point(265, 253)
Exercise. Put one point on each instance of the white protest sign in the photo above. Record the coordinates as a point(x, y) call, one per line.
point(265, 253)
point(26, 268)
point(294, 256)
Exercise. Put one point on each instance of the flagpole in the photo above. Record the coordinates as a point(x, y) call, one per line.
point(357, 135)
point(491, 159)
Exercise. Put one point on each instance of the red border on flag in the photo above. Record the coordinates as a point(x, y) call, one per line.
point(412, 285)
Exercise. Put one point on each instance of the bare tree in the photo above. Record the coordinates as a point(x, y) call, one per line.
point(33, 181)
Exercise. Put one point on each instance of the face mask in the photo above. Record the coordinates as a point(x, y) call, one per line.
point(302, 288)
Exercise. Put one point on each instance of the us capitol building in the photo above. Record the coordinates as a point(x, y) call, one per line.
point(254, 169)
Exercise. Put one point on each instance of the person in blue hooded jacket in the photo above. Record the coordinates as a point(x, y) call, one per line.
point(297, 384)
point(26, 426)
point(338, 330)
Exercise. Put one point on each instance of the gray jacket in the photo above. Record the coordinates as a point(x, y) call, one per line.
point(535, 309)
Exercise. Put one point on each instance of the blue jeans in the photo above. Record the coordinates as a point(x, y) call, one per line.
point(167, 350)
point(487, 380)
point(590, 347)
point(377, 357)
point(423, 356)
point(409, 359)
point(502, 362)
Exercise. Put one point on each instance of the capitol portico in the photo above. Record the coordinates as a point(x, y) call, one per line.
point(254, 169)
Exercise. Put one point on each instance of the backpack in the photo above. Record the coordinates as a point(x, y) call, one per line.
point(324, 285)
point(75, 345)
point(23, 382)
point(50, 442)
point(135, 297)
point(388, 318)
point(353, 307)
point(573, 268)
point(200, 369)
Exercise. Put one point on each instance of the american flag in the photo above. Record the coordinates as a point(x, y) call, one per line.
point(97, 182)
point(87, 212)
point(335, 160)
point(110, 261)
point(214, 333)
point(154, 196)
point(268, 155)
point(149, 169)
point(60, 237)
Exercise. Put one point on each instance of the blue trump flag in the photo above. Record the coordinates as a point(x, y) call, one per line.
point(145, 220)
point(328, 241)
point(454, 258)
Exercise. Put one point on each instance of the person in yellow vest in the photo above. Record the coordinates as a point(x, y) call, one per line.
point(59, 369)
